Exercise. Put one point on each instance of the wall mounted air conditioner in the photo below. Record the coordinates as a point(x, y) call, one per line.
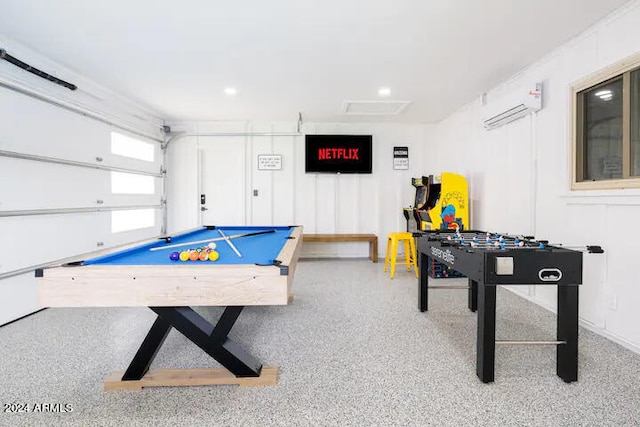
point(513, 106)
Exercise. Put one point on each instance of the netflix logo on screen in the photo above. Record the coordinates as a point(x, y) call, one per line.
point(338, 153)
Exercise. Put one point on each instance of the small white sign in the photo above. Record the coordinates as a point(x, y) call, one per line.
point(269, 161)
point(401, 158)
point(401, 163)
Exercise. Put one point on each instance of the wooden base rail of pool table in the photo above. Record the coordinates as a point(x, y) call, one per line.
point(329, 238)
point(190, 377)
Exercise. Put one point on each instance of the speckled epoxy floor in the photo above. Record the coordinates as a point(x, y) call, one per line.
point(353, 350)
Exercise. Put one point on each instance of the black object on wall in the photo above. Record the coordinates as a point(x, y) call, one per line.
point(12, 60)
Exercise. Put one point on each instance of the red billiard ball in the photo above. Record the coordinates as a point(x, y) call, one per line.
point(175, 256)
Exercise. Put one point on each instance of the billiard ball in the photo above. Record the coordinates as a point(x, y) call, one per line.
point(194, 255)
point(203, 256)
point(184, 256)
point(212, 245)
point(174, 256)
point(213, 255)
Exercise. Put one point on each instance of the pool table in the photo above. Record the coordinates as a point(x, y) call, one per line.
point(259, 271)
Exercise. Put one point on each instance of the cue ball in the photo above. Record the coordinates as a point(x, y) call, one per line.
point(212, 245)
point(174, 256)
point(213, 256)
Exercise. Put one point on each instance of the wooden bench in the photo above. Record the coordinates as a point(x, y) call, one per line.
point(371, 238)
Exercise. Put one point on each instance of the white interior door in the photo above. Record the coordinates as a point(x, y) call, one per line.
point(222, 183)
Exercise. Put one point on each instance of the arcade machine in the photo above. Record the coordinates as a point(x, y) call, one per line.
point(439, 206)
point(427, 195)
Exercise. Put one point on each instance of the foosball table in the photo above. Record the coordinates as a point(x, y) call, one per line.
point(490, 259)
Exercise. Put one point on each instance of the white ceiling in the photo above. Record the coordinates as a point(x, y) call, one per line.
point(286, 57)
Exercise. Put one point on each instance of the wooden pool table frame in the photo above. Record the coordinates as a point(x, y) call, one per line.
point(170, 291)
point(176, 284)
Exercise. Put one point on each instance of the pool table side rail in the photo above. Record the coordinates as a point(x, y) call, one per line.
point(289, 255)
point(78, 259)
point(171, 285)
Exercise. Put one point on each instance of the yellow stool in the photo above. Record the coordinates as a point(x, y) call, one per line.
point(409, 251)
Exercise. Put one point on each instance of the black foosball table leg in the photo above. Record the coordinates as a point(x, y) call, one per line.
point(567, 331)
point(486, 339)
point(423, 283)
point(473, 295)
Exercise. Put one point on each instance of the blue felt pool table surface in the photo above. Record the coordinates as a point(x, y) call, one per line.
point(261, 249)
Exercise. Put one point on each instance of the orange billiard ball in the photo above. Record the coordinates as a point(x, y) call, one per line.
point(203, 256)
point(194, 256)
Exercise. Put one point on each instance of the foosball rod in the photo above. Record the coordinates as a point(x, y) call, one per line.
point(592, 249)
point(524, 342)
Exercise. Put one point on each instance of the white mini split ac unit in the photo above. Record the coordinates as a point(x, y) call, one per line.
point(514, 106)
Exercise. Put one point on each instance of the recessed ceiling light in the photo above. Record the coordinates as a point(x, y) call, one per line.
point(384, 91)
point(231, 91)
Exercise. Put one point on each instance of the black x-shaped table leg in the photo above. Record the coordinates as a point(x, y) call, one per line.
point(212, 339)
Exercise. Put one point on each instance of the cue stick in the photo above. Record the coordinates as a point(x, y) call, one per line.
point(214, 239)
point(226, 239)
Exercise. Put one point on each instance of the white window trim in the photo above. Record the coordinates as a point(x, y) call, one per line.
point(600, 76)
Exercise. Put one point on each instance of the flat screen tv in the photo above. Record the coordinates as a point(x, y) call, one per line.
point(338, 153)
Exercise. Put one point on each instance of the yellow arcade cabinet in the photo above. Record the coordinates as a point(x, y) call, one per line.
point(439, 204)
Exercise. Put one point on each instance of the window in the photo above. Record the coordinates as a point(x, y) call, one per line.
point(127, 146)
point(129, 183)
point(606, 123)
point(132, 219)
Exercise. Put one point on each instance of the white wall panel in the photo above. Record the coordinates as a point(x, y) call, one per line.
point(183, 199)
point(48, 238)
point(618, 36)
point(39, 128)
point(36, 127)
point(27, 184)
point(22, 288)
point(284, 181)
point(31, 126)
point(622, 292)
point(326, 215)
point(262, 205)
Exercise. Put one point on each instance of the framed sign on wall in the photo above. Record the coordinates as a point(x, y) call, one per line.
point(401, 158)
point(269, 161)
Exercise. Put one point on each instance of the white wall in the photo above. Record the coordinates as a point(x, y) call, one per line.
point(519, 178)
point(322, 203)
point(31, 126)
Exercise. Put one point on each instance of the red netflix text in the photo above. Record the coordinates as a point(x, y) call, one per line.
point(338, 153)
